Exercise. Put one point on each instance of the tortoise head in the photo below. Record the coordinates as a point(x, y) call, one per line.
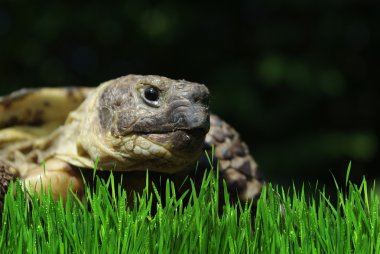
point(151, 122)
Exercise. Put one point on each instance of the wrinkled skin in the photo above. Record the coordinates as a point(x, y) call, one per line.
point(126, 125)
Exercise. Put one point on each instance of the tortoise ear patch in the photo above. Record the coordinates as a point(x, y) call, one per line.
point(105, 117)
point(116, 108)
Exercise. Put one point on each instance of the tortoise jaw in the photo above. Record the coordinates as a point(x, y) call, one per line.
point(189, 141)
point(181, 141)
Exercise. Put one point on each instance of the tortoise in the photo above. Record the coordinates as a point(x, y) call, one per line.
point(127, 125)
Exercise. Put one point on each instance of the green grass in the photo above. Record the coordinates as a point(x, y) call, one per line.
point(286, 222)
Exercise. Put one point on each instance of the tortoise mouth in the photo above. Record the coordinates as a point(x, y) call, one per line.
point(180, 141)
point(201, 130)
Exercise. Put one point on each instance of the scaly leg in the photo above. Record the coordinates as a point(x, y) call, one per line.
point(236, 165)
point(57, 175)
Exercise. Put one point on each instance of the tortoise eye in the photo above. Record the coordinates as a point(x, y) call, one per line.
point(151, 96)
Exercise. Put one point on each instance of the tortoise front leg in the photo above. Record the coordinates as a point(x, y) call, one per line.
point(57, 175)
point(236, 165)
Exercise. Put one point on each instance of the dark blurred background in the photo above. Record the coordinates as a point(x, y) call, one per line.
point(298, 80)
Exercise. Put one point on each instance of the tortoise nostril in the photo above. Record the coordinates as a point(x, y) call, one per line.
point(205, 100)
point(196, 98)
point(200, 97)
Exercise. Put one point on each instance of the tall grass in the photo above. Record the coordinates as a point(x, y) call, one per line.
point(286, 222)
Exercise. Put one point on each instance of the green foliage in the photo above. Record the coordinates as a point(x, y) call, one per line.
point(286, 222)
point(316, 225)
